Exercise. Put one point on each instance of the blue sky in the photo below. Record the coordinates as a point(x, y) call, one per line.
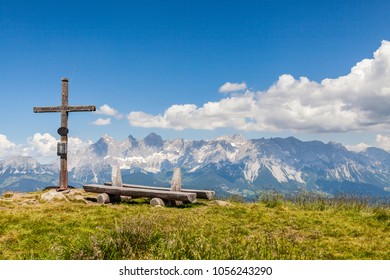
point(160, 66)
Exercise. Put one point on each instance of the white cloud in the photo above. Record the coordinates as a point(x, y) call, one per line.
point(108, 111)
point(359, 101)
point(101, 121)
point(232, 87)
point(5, 144)
point(7, 147)
point(358, 147)
point(383, 142)
point(228, 112)
point(76, 144)
point(42, 145)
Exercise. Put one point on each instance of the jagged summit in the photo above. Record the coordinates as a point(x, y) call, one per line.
point(230, 164)
point(107, 138)
point(19, 166)
point(231, 138)
point(22, 161)
point(153, 140)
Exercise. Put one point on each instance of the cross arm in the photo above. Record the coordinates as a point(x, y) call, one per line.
point(88, 108)
point(47, 109)
point(50, 109)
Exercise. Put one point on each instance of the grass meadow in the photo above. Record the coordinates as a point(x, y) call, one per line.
point(305, 227)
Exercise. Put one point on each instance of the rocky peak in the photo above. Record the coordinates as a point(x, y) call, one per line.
point(153, 140)
point(21, 162)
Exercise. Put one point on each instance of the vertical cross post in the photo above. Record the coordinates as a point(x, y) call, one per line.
point(64, 109)
point(64, 138)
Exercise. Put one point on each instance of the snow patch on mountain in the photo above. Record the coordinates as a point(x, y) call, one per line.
point(251, 170)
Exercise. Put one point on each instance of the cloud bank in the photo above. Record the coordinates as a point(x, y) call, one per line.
point(42, 147)
point(358, 101)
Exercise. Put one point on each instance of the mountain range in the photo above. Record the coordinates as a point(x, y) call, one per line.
point(230, 165)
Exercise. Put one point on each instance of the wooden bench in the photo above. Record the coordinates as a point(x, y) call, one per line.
point(112, 193)
point(199, 193)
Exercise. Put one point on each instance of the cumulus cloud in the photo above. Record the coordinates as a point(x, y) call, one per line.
point(109, 111)
point(101, 121)
point(233, 111)
point(77, 144)
point(7, 147)
point(42, 145)
point(383, 142)
point(232, 87)
point(358, 101)
point(5, 144)
point(358, 147)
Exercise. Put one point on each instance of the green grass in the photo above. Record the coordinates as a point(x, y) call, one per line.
point(305, 227)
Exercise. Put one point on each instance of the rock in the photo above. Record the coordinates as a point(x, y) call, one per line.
point(75, 192)
point(79, 198)
point(53, 195)
point(222, 203)
point(157, 202)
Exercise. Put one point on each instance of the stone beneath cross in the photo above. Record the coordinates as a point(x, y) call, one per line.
point(64, 109)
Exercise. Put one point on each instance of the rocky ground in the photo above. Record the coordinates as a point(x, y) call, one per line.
point(72, 195)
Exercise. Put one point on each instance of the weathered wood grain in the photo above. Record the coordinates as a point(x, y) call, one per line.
point(138, 192)
point(206, 194)
point(103, 198)
point(54, 109)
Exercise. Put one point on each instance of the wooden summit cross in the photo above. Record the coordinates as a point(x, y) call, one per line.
point(64, 109)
